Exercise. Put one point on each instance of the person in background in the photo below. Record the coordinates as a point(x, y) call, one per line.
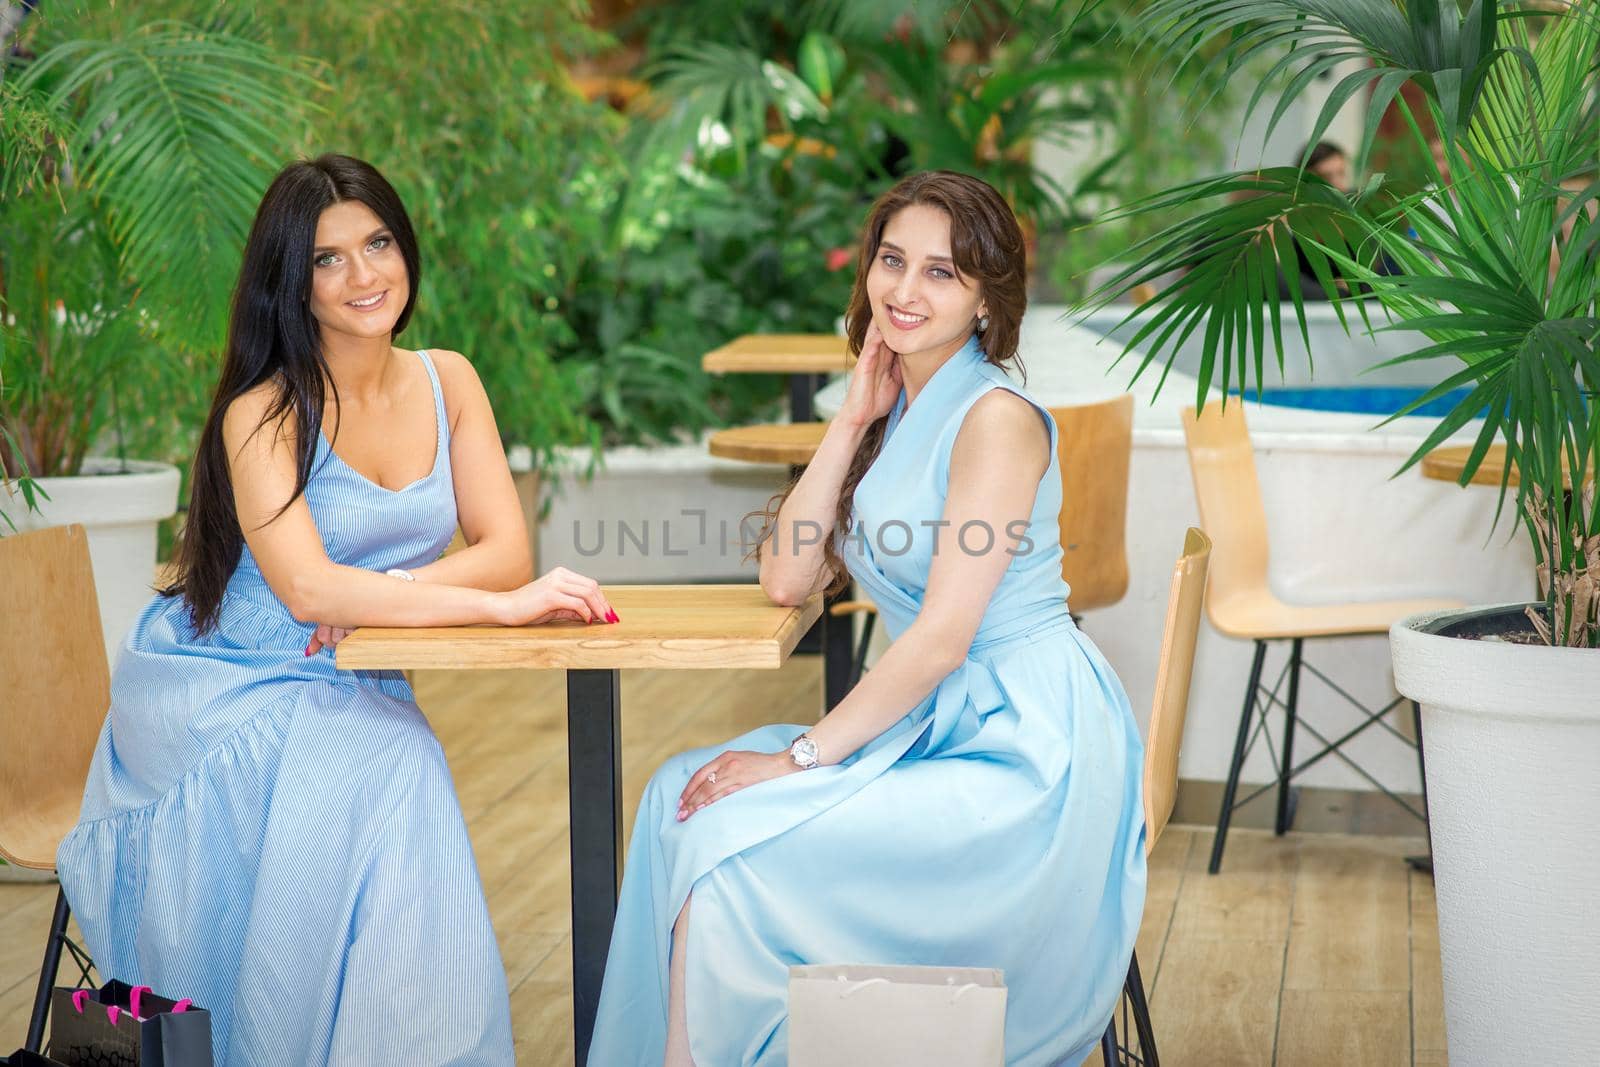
point(1329, 162)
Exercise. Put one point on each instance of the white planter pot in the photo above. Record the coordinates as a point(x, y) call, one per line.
point(120, 511)
point(1512, 740)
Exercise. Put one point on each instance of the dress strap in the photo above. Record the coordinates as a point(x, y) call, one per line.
point(438, 399)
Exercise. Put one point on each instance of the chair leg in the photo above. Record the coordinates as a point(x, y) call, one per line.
point(1285, 805)
point(1134, 987)
point(860, 666)
point(1108, 1043)
point(47, 974)
point(1232, 788)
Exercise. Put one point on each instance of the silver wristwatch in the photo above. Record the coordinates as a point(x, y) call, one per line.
point(804, 752)
point(403, 575)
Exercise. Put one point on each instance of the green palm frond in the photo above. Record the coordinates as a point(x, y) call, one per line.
point(174, 132)
point(29, 129)
point(1497, 262)
point(1228, 261)
point(703, 86)
point(1425, 41)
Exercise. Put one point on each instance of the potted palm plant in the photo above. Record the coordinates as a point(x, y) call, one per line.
point(129, 167)
point(1496, 258)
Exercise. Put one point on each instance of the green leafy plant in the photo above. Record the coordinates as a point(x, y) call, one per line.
point(884, 88)
point(466, 107)
point(703, 252)
point(1496, 260)
point(131, 164)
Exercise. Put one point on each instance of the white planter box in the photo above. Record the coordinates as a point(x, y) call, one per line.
point(120, 509)
point(1512, 738)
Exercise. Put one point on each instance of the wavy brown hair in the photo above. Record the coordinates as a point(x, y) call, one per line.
point(987, 248)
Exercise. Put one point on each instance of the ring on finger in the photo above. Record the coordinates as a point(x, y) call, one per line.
point(712, 777)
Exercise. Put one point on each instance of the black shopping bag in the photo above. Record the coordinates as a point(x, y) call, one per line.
point(23, 1058)
point(119, 1025)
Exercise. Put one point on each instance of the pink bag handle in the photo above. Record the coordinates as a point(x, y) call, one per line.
point(80, 997)
point(133, 1000)
point(182, 1006)
point(112, 1011)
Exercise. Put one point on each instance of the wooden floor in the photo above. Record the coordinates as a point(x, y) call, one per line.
point(1306, 950)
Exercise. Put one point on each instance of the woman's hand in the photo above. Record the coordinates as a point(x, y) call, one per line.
point(874, 384)
point(729, 773)
point(326, 637)
point(560, 596)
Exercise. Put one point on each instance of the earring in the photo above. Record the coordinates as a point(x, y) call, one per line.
point(983, 323)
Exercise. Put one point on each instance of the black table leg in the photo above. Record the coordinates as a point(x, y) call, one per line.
point(594, 794)
point(838, 654)
point(802, 387)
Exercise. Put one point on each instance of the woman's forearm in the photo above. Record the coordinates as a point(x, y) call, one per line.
point(350, 597)
point(793, 558)
point(908, 671)
point(495, 564)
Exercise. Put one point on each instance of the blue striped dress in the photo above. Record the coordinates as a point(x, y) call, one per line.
point(279, 840)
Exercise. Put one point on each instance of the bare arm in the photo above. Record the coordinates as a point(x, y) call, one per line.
point(794, 561)
point(496, 557)
point(1001, 452)
point(292, 558)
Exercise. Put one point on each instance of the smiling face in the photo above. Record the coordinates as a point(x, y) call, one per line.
point(359, 283)
point(918, 300)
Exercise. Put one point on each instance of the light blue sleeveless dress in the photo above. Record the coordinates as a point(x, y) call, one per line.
point(999, 824)
point(280, 841)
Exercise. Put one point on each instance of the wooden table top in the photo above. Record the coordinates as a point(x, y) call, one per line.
point(793, 443)
point(674, 627)
point(780, 353)
point(1448, 461)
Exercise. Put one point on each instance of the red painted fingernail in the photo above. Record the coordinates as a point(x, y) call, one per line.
point(308, 647)
point(611, 616)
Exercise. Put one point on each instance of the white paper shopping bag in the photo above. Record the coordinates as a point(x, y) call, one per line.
point(867, 1015)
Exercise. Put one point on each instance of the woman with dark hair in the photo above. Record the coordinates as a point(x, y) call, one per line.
point(975, 799)
point(271, 837)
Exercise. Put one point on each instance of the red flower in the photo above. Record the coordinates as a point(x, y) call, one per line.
point(839, 258)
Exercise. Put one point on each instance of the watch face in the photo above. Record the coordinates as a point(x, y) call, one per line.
point(804, 752)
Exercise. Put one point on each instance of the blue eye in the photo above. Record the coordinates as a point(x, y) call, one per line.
point(940, 272)
point(891, 260)
point(325, 260)
point(380, 242)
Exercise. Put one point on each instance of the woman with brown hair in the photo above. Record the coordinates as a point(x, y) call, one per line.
point(974, 800)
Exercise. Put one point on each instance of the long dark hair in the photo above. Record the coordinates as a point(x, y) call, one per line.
point(273, 337)
point(987, 247)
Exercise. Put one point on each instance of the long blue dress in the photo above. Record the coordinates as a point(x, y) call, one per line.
point(999, 824)
point(279, 840)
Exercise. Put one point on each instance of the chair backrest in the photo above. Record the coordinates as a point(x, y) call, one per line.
point(1094, 446)
point(1224, 469)
point(54, 689)
point(1171, 703)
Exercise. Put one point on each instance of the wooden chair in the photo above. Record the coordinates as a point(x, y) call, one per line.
point(1243, 605)
point(1094, 448)
point(53, 666)
point(1168, 711)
